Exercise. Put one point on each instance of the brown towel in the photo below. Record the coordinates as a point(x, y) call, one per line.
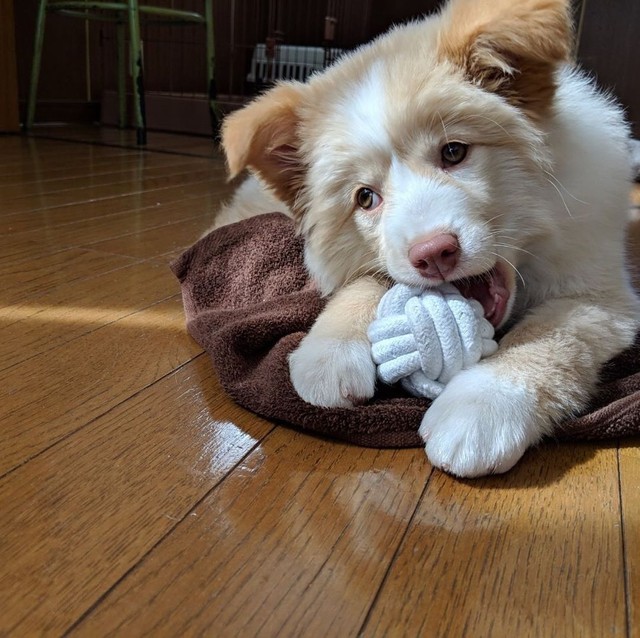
point(248, 303)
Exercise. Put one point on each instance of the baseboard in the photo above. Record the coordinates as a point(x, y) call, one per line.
point(56, 111)
point(168, 112)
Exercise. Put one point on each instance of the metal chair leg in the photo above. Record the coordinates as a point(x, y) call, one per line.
point(214, 110)
point(137, 72)
point(35, 65)
point(122, 72)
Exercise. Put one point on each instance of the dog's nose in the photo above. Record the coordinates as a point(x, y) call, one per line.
point(435, 257)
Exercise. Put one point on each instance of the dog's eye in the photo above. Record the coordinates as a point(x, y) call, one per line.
point(453, 153)
point(368, 199)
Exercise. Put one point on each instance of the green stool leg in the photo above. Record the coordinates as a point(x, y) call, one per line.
point(35, 65)
point(137, 71)
point(122, 74)
point(214, 109)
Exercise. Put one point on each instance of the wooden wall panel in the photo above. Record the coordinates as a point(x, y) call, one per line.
point(609, 48)
point(8, 76)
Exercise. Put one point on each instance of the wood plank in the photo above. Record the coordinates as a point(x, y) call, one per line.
point(89, 231)
point(33, 275)
point(157, 241)
point(20, 248)
point(630, 493)
point(93, 506)
point(41, 221)
point(133, 507)
point(39, 324)
point(536, 552)
point(37, 171)
point(40, 201)
point(125, 175)
point(54, 394)
point(295, 542)
point(156, 140)
point(27, 153)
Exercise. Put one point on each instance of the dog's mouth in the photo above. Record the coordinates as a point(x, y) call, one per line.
point(491, 289)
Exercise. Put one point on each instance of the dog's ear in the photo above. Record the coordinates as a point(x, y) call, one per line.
point(510, 47)
point(263, 137)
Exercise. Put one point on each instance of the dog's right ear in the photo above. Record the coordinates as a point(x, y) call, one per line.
point(263, 137)
point(510, 47)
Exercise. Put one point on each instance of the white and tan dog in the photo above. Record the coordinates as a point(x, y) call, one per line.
point(463, 148)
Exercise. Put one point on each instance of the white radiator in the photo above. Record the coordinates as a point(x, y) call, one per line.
point(289, 62)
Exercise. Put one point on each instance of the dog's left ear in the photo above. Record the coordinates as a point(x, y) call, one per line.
point(510, 47)
point(263, 136)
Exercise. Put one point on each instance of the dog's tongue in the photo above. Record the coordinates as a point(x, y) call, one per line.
point(491, 291)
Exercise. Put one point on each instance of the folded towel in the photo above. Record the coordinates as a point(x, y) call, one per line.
point(248, 303)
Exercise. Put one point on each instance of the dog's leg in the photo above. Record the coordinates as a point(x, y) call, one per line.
point(333, 367)
point(544, 371)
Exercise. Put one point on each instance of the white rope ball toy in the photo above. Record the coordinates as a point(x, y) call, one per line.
point(422, 338)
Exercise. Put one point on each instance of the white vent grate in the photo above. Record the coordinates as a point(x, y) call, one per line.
point(289, 62)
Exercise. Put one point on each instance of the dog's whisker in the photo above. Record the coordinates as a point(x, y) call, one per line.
point(484, 117)
point(561, 197)
point(372, 267)
point(512, 247)
point(524, 283)
point(564, 188)
point(444, 128)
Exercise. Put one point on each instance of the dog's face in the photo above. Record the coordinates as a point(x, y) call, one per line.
point(419, 157)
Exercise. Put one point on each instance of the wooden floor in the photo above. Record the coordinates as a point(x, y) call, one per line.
point(137, 499)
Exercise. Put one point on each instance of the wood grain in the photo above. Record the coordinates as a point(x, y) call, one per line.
point(87, 232)
point(34, 274)
point(37, 170)
point(630, 495)
point(43, 200)
point(88, 516)
point(30, 154)
point(144, 200)
point(342, 511)
point(137, 498)
point(157, 241)
point(13, 249)
point(156, 140)
point(81, 380)
point(9, 121)
point(534, 553)
point(124, 175)
point(41, 323)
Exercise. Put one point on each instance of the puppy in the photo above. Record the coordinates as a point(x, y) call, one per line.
point(465, 148)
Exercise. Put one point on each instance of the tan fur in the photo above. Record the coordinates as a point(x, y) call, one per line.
point(508, 47)
point(264, 136)
point(541, 196)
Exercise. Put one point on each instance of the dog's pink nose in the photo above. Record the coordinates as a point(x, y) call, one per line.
point(435, 257)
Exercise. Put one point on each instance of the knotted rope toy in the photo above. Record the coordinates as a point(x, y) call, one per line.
point(422, 338)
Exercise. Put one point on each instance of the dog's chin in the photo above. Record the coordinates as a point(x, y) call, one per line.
point(493, 288)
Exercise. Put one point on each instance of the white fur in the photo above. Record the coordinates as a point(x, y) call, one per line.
point(420, 206)
point(546, 198)
point(251, 198)
point(366, 105)
point(331, 373)
point(480, 424)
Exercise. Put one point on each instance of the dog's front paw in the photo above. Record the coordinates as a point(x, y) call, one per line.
point(481, 424)
point(333, 373)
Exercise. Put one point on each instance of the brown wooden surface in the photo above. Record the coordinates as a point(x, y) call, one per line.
point(137, 499)
point(608, 48)
point(9, 121)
